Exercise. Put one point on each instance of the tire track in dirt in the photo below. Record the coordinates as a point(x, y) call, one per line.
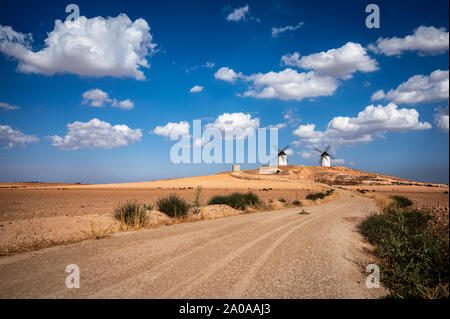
point(251, 272)
point(220, 232)
point(150, 274)
point(179, 292)
point(182, 238)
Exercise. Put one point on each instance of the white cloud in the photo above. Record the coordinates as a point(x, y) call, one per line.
point(173, 129)
point(237, 125)
point(291, 116)
point(124, 105)
point(8, 107)
point(196, 89)
point(338, 63)
point(378, 95)
point(238, 14)
point(98, 98)
point(307, 154)
point(209, 65)
point(372, 121)
point(95, 134)
point(338, 161)
point(96, 47)
point(418, 89)
point(277, 31)
point(289, 152)
point(278, 126)
point(95, 98)
point(12, 137)
point(441, 119)
point(290, 85)
point(425, 40)
point(201, 142)
point(227, 74)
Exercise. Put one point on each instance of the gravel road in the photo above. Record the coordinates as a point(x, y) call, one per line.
point(280, 254)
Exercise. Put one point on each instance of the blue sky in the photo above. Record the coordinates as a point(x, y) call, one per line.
point(238, 61)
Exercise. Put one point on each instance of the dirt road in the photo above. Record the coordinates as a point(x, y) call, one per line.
point(281, 254)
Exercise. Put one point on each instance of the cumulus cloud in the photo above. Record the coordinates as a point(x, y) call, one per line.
point(227, 74)
point(290, 85)
point(12, 137)
point(372, 121)
point(338, 161)
point(95, 134)
point(424, 40)
point(307, 154)
point(196, 89)
point(173, 129)
point(96, 47)
point(124, 105)
point(237, 125)
point(418, 89)
point(95, 98)
point(98, 98)
point(276, 31)
point(8, 107)
point(238, 14)
point(339, 63)
point(441, 119)
point(378, 95)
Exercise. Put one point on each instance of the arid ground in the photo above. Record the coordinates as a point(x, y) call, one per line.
point(36, 215)
point(235, 250)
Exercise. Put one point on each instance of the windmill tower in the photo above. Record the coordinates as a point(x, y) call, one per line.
point(325, 158)
point(282, 156)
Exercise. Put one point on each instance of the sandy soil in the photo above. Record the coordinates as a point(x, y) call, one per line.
point(36, 215)
point(281, 254)
point(48, 202)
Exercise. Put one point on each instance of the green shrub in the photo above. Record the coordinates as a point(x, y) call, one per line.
point(282, 200)
point(401, 201)
point(173, 206)
point(131, 213)
point(297, 203)
point(314, 196)
point(414, 259)
point(236, 200)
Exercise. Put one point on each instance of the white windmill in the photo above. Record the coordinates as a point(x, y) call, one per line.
point(282, 156)
point(281, 161)
point(325, 158)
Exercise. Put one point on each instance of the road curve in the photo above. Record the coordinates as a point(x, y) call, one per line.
point(280, 254)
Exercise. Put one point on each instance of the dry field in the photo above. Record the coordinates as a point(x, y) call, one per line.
point(36, 215)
